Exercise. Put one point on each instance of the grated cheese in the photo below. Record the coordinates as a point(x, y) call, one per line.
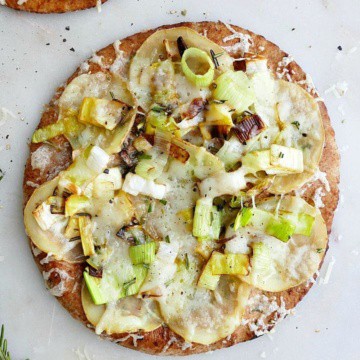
point(243, 45)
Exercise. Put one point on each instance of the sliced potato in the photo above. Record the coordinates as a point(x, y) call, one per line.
point(93, 312)
point(153, 49)
point(278, 266)
point(200, 315)
point(52, 241)
point(293, 120)
point(129, 314)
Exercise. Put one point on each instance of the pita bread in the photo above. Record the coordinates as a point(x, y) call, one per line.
point(69, 276)
point(51, 6)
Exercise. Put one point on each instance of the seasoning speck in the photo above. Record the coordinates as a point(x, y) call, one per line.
point(67, 28)
point(183, 12)
point(339, 48)
point(72, 49)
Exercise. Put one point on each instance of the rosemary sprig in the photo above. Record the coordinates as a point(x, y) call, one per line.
point(4, 353)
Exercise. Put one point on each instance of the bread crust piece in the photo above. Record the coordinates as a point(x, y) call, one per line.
point(52, 6)
point(163, 340)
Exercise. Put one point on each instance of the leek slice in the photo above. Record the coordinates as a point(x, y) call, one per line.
point(207, 279)
point(235, 89)
point(134, 285)
point(102, 112)
point(72, 228)
point(135, 185)
point(68, 126)
point(142, 254)
point(229, 264)
point(303, 222)
point(282, 229)
point(218, 114)
point(75, 204)
point(198, 67)
point(286, 158)
point(153, 49)
point(85, 227)
point(202, 218)
point(230, 153)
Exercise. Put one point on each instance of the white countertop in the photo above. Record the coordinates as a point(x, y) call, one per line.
point(326, 323)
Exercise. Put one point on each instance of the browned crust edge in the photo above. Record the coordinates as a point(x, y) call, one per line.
point(52, 6)
point(161, 341)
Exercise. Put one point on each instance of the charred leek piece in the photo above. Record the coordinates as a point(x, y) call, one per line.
point(248, 128)
point(197, 67)
point(234, 88)
point(142, 254)
point(229, 264)
point(85, 227)
point(102, 112)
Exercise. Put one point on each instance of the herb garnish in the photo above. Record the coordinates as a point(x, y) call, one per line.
point(167, 238)
point(163, 201)
point(281, 155)
point(112, 95)
point(144, 157)
point(297, 124)
point(4, 353)
point(129, 283)
point(187, 261)
point(214, 58)
point(158, 108)
point(1, 174)
point(319, 250)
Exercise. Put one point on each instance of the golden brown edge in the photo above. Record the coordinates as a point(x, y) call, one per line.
point(163, 340)
point(52, 6)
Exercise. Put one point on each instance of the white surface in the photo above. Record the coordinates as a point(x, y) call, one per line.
point(326, 325)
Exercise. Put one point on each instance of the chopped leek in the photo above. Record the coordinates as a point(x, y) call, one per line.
point(202, 218)
point(44, 217)
point(135, 185)
point(230, 153)
point(286, 158)
point(229, 264)
point(207, 279)
point(93, 285)
point(243, 217)
point(85, 227)
point(280, 228)
point(303, 222)
point(218, 114)
point(67, 126)
point(142, 254)
point(133, 286)
point(75, 204)
point(235, 89)
point(101, 112)
point(197, 67)
point(141, 144)
point(96, 159)
point(72, 228)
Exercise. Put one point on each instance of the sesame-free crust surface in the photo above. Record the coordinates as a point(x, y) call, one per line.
point(51, 6)
point(163, 340)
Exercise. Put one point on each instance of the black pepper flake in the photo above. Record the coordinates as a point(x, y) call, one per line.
point(72, 49)
point(6, 137)
point(47, 44)
point(67, 28)
point(339, 48)
point(64, 40)
point(304, 135)
point(293, 29)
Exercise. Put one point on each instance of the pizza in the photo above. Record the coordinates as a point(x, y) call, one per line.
point(181, 187)
point(51, 6)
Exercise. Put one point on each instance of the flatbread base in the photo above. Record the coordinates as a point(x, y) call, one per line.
point(163, 340)
point(52, 6)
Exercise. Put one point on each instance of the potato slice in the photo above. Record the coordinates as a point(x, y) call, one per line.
point(52, 241)
point(293, 120)
point(278, 265)
point(200, 315)
point(93, 312)
point(154, 49)
point(129, 314)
